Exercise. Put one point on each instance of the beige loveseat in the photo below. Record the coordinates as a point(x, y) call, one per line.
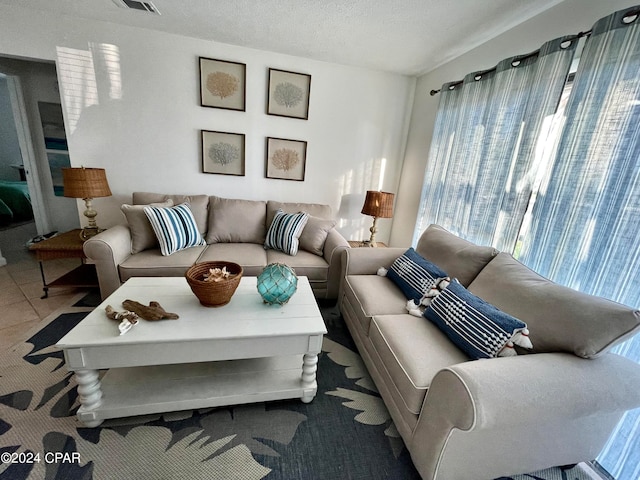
point(234, 231)
point(463, 419)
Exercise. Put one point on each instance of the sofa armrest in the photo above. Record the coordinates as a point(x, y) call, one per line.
point(333, 247)
point(522, 394)
point(108, 250)
point(367, 261)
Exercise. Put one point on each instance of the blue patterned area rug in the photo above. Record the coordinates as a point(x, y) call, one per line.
point(345, 433)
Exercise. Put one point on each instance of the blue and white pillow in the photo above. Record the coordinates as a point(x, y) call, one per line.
point(175, 228)
point(476, 327)
point(414, 274)
point(285, 231)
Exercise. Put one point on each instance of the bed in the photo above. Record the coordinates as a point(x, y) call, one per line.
point(15, 202)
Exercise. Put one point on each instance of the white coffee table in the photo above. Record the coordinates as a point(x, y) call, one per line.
point(244, 352)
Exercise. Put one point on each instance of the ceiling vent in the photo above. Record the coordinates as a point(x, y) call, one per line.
point(137, 5)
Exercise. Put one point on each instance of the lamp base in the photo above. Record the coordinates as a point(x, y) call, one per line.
point(87, 232)
point(373, 230)
point(92, 229)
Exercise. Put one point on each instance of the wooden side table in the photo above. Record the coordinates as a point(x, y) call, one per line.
point(65, 245)
point(358, 244)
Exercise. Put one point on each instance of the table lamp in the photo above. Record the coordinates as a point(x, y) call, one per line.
point(377, 205)
point(86, 183)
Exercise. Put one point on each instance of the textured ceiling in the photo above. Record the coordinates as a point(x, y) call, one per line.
point(403, 36)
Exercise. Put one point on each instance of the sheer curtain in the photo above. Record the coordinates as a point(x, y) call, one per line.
point(585, 222)
point(485, 145)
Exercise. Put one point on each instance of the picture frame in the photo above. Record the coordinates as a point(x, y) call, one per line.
point(286, 159)
point(288, 94)
point(223, 84)
point(223, 153)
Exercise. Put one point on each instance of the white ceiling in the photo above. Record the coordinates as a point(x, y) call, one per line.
point(402, 36)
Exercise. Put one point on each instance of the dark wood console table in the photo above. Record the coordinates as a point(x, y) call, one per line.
point(65, 245)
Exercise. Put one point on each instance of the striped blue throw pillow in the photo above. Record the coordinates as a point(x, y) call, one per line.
point(285, 230)
point(476, 327)
point(414, 274)
point(175, 227)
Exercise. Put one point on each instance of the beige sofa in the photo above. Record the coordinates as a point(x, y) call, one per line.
point(234, 231)
point(481, 419)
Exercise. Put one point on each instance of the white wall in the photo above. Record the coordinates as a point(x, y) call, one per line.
point(131, 105)
point(569, 17)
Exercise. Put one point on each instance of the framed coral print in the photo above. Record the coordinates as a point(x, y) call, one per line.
point(223, 84)
point(288, 94)
point(286, 159)
point(222, 153)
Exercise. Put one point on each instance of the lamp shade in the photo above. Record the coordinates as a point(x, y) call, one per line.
point(85, 182)
point(378, 204)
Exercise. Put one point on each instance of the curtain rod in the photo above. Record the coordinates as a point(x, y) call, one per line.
point(519, 59)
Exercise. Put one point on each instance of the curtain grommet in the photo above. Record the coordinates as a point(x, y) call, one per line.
point(630, 17)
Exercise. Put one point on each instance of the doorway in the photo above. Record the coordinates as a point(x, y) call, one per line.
point(31, 158)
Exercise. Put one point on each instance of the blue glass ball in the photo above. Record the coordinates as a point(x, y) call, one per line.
point(277, 283)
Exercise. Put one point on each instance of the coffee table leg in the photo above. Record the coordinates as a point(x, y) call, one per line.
point(309, 369)
point(90, 396)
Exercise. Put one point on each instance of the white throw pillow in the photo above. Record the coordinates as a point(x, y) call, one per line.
point(315, 233)
point(142, 235)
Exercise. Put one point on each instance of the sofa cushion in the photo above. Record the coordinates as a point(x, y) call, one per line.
point(284, 232)
point(458, 257)
point(315, 234)
point(251, 256)
point(304, 263)
point(560, 319)
point(199, 204)
point(314, 209)
point(236, 221)
point(142, 235)
point(414, 275)
point(174, 227)
point(478, 328)
point(412, 351)
point(374, 295)
point(151, 263)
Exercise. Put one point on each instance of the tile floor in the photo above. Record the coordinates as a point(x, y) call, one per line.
point(21, 307)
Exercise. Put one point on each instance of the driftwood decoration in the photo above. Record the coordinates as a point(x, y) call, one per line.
point(152, 312)
point(127, 319)
point(119, 316)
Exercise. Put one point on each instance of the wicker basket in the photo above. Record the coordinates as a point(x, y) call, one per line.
point(213, 294)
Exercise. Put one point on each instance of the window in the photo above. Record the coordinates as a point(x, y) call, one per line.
point(581, 181)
